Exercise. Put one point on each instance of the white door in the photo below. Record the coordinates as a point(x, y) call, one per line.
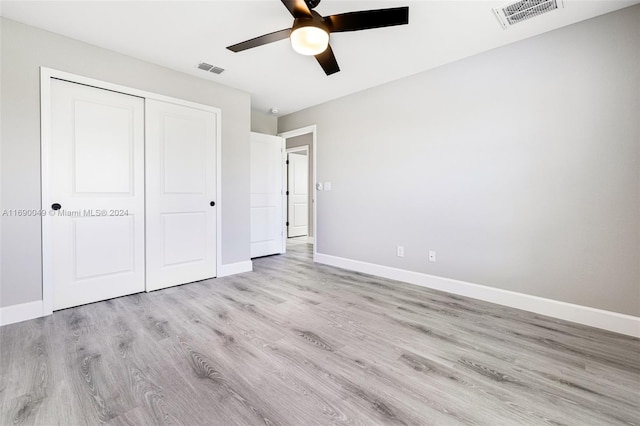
point(298, 200)
point(181, 194)
point(267, 199)
point(96, 183)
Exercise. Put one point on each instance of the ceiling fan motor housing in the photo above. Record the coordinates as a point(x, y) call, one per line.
point(316, 21)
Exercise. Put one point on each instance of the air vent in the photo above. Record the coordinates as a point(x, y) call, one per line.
point(512, 13)
point(210, 68)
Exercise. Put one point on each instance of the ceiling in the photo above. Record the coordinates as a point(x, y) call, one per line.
point(181, 34)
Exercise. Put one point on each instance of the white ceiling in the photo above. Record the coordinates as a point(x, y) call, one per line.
point(180, 34)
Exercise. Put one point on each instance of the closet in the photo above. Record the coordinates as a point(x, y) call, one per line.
point(129, 193)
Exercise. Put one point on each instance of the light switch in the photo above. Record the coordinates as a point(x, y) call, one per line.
point(327, 186)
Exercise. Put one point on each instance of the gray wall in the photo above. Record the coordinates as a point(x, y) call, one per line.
point(264, 123)
point(24, 50)
point(519, 166)
point(302, 140)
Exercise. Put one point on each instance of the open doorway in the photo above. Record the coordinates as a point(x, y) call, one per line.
point(300, 149)
point(298, 190)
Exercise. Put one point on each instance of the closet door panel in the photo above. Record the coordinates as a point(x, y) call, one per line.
point(96, 178)
point(180, 190)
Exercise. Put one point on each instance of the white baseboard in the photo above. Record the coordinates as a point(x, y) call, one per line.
point(235, 268)
point(612, 321)
point(21, 312)
point(31, 310)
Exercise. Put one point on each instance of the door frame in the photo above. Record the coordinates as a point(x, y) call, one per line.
point(285, 199)
point(313, 131)
point(46, 74)
point(304, 148)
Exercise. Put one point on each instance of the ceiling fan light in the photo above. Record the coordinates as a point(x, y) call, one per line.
point(309, 40)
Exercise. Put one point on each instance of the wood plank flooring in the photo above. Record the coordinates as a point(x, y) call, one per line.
point(295, 343)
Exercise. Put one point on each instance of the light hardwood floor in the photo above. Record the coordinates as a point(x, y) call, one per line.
point(295, 343)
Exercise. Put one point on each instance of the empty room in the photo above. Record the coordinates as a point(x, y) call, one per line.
point(305, 212)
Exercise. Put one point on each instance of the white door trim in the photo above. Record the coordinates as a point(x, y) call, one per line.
point(303, 131)
point(285, 207)
point(46, 74)
point(304, 148)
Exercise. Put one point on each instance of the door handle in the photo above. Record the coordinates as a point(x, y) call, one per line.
point(213, 203)
point(56, 206)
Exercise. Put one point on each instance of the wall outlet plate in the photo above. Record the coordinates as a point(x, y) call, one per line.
point(432, 256)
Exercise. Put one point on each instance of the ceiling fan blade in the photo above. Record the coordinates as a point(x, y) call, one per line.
point(298, 8)
point(367, 19)
point(259, 41)
point(328, 62)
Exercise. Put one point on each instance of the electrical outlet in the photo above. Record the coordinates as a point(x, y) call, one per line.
point(400, 251)
point(319, 186)
point(327, 186)
point(432, 255)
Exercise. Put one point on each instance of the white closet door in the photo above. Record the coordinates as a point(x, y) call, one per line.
point(298, 187)
point(267, 199)
point(97, 182)
point(181, 194)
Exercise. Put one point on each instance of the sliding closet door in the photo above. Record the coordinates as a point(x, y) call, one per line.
point(96, 181)
point(181, 194)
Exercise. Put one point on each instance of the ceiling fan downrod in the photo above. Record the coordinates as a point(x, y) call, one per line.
point(311, 4)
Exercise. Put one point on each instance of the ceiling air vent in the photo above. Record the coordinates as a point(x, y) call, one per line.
point(512, 13)
point(210, 68)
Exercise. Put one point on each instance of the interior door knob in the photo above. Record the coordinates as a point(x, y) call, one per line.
point(56, 206)
point(213, 203)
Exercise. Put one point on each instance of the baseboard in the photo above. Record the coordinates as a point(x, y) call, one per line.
point(611, 321)
point(235, 268)
point(21, 312)
point(31, 310)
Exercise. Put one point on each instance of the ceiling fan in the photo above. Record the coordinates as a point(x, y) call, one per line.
point(310, 31)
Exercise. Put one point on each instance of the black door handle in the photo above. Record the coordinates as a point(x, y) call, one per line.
point(213, 203)
point(56, 206)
